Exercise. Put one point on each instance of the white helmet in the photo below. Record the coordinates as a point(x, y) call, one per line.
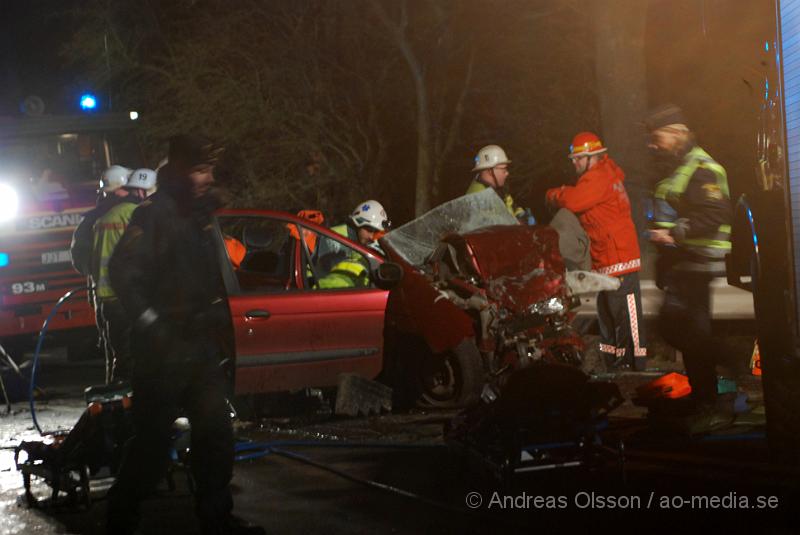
point(370, 214)
point(142, 179)
point(490, 156)
point(114, 178)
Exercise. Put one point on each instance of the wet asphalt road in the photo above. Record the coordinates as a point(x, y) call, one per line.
point(394, 475)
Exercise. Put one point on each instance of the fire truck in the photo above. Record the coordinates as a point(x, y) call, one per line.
point(49, 169)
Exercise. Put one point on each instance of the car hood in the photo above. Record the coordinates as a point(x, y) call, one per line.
point(414, 242)
point(475, 238)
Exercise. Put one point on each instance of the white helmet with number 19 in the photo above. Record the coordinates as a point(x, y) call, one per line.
point(143, 179)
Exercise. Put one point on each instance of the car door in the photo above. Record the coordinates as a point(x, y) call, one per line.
point(291, 333)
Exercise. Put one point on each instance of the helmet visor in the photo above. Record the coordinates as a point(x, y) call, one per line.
point(364, 222)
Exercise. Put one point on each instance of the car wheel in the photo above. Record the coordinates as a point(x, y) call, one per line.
point(451, 379)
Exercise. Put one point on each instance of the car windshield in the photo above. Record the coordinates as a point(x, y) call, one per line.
point(416, 240)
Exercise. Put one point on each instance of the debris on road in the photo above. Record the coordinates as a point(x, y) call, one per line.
point(357, 395)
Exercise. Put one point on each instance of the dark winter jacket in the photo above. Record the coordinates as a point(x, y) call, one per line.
point(166, 273)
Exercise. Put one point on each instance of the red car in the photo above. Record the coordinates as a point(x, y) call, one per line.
point(479, 295)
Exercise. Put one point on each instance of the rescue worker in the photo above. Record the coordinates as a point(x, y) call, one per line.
point(110, 192)
point(115, 326)
point(166, 274)
point(699, 230)
point(491, 171)
point(601, 203)
point(365, 223)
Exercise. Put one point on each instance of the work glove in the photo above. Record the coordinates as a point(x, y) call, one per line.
point(551, 197)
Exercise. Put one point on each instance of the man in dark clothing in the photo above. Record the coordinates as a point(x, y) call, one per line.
point(166, 274)
point(698, 232)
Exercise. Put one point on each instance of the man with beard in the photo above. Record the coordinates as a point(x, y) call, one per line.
point(166, 274)
point(697, 232)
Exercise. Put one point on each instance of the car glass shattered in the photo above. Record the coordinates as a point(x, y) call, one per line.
point(417, 239)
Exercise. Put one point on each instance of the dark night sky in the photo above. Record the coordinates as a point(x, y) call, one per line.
point(30, 34)
point(711, 47)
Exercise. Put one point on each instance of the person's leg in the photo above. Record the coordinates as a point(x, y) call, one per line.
point(608, 335)
point(690, 331)
point(119, 330)
point(627, 307)
point(212, 446)
point(146, 456)
point(105, 338)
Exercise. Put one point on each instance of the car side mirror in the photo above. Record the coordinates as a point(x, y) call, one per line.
point(387, 275)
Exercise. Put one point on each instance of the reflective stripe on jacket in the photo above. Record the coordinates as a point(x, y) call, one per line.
point(346, 274)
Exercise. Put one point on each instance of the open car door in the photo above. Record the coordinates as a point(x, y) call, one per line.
point(292, 331)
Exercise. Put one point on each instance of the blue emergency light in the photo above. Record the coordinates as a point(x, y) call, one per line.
point(3, 260)
point(88, 102)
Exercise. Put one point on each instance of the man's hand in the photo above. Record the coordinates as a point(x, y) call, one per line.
point(661, 236)
point(551, 197)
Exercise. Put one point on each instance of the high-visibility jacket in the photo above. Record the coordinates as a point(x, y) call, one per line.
point(347, 231)
point(82, 245)
point(601, 203)
point(107, 232)
point(346, 274)
point(698, 192)
point(477, 187)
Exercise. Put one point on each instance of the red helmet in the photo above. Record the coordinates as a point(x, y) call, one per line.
point(585, 144)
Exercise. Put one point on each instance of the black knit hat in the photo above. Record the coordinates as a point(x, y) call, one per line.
point(664, 115)
point(191, 150)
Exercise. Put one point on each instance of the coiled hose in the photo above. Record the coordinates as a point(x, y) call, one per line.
point(42, 332)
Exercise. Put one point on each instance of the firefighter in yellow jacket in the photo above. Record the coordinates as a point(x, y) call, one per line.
point(366, 222)
point(491, 171)
point(108, 230)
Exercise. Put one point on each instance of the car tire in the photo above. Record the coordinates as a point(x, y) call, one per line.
point(451, 379)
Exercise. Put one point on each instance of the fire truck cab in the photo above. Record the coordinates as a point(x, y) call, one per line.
point(49, 169)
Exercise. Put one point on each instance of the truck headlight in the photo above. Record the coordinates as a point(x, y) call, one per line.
point(9, 203)
point(554, 305)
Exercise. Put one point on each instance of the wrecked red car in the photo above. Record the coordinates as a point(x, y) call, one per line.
point(477, 302)
point(479, 295)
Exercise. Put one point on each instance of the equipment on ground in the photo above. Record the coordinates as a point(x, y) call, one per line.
point(66, 461)
point(546, 416)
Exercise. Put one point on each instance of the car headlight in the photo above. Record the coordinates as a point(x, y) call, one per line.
point(9, 203)
point(554, 305)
